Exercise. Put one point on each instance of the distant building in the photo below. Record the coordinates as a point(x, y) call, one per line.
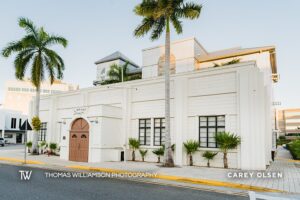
point(10, 122)
point(18, 94)
point(289, 121)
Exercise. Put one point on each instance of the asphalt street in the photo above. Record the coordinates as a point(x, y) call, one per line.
point(41, 187)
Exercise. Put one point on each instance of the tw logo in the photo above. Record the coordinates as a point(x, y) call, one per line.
point(25, 175)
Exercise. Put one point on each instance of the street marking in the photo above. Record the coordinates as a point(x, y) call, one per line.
point(14, 160)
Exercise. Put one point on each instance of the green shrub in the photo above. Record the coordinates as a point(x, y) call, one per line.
point(52, 147)
point(29, 145)
point(294, 148)
point(282, 137)
point(282, 141)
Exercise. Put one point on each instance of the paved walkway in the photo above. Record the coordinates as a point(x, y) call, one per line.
point(290, 182)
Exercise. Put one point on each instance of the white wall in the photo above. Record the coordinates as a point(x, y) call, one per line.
point(236, 91)
point(184, 52)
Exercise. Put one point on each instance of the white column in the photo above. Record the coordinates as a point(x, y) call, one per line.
point(126, 118)
point(251, 119)
point(180, 117)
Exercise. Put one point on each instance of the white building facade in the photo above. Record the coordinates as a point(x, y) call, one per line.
point(18, 94)
point(10, 122)
point(94, 124)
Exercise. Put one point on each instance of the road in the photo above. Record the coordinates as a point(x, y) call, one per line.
point(40, 187)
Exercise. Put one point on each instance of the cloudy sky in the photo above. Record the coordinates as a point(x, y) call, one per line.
point(97, 28)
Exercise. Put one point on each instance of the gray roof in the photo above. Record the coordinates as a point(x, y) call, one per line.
point(115, 56)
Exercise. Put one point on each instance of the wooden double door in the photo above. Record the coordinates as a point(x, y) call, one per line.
point(79, 141)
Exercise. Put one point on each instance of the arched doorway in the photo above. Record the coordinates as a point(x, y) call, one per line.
point(79, 141)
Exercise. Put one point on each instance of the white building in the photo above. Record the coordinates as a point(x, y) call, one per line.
point(18, 94)
point(10, 122)
point(94, 124)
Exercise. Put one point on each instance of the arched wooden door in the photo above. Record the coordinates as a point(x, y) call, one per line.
point(79, 141)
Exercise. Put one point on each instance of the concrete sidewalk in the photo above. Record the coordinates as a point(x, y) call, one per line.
point(290, 182)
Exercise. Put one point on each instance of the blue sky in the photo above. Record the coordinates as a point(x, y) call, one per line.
point(97, 28)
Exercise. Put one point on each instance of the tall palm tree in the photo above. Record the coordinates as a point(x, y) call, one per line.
point(227, 141)
point(33, 49)
point(157, 16)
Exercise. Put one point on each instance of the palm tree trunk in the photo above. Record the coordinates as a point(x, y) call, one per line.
point(133, 155)
point(168, 161)
point(35, 149)
point(191, 160)
point(208, 164)
point(225, 160)
point(158, 159)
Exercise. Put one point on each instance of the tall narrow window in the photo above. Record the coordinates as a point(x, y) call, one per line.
point(20, 123)
point(209, 126)
point(43, 131)
point(13, 123)
point(159, 131)
point(145, 131)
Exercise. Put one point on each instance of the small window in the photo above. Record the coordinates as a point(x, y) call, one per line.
point(83, 136)
point(13, 123)
point(74, 136)
point(145, 131)
point(209, 126)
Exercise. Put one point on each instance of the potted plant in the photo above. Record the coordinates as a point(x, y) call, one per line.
point(159, 152)
point(143, 154)
point(29, 145)
point(53, 147)
point(134, 144)
point(191, 146)
point(42, 145)
point(208, 155)
point(227, 141)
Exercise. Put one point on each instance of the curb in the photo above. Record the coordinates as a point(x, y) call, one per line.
point(15, 160)
point(182, 179)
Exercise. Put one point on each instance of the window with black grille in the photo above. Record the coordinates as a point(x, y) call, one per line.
point(43, 131)
point(209, 126)
point(159, 131)
point(145, 131)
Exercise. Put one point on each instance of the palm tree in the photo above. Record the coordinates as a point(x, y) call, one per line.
point(159, 152)
point(119, 73)
point(134, 144)
point(191, 146)
point(157, 16)
point(227, 141)
point(208, 155)
point(33, 49)
point(143, 154)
